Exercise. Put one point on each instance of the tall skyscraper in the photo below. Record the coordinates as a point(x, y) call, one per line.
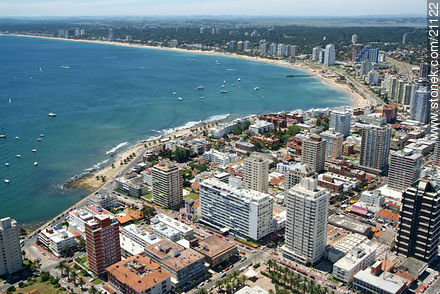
point(313, 152)
point(110, 34)
point(420, 109)
point(340, 121)
point(405, 39)
point(102, 242)
point(334, 142)
point(419, 224)
point(375, 146)
point(10, 259)
point(329, 58)
point(357, 48)
point(306, 222)
point(315, 53)
point(425, 68)
point(167, 188)
point(405, 166)
point(408, 92)
point(256, 173)
point(354, 39)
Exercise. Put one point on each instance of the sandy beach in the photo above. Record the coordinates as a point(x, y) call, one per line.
point(94, 180)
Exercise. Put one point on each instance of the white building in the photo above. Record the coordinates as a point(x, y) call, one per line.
point(134, 240)
point(220, 158)
point(405, 167)
point(106, 201)
point(385, 283)
point(244, 212)
point(316, 53)
point(185, 230)
point(59, 240)
point(329, 57)
point(10, 260)
point(167, 186)
point(226, 128)
point(334, 140)
point(260, 127)
point(372, 77)
point(340, 121)
point(358, 259)
point(374, 198)
point(256, 172)
point(306, 226)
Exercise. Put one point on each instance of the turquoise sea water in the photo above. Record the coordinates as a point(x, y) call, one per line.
point(106, 95)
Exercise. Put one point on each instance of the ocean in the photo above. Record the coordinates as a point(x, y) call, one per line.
point(107, 98)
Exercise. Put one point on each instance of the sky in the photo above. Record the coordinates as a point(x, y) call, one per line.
point(210, 7)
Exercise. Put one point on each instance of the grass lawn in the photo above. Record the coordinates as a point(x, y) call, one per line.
point(333, 280)
point(247, 242)
point(97, 281)
point(191, 195)
point(147, 196)
point(46, 288)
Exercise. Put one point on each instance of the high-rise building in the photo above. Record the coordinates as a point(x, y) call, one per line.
point(295, 173)
point(247, 45)
point(313, 152)
point(389, 112)
point(408, 92)
point(334, 142)
point(375, 146)
point(405, 166)
point(272, 49)
point(263, 47)
point(233, 45)
point(357, 48)
point(419, 224)
point(247, 213)
point(330, 54)
point(405, 39)
point(373, 55)
point(110, 34)
point(281, 49)
point(306, 222)
point(240, 45)
point(392, 87)
point(315, 53)
point(102, 242)
point(354, 39)
point(167, 188)
point(293, 50)
point(400, 88)
point(10, 259)
point(256, 173)
point(420, 109)
point(372, 77)
point(425, 68)
point(340, 121)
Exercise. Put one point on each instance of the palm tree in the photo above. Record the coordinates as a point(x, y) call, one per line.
point(228, 287)
point(61, 266)
point(270, 263)
point(218, 283)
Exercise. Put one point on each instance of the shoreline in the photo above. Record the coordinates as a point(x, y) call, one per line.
point(91, 179)
point(357, 100)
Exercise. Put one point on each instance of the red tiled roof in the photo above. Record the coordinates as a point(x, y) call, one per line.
point(385, 213)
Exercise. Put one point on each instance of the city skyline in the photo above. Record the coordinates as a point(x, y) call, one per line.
point(214, 7)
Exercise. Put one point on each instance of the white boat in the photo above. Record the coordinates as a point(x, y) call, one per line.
point(174, 93)
point(257, 88)
point(6, 181)
point(224, 82)
point(10, 100)
point(202, 97)
point(41, 70)
point(223, 91)
point(39, 139)
point(200, 88)
point(18, 156)
point(239, 79)
point(35, 163)
point(41, 135)
point(7, 163)
point(180, 99)
point(223, 86)
point(51, 114)
point(2, 136)
point(34, 150)
point(17, 138)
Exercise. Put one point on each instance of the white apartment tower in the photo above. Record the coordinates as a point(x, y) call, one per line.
point(167, 185)
point(306, 224)
point(313, 152)
point(10, 259)
point(256, 173)
point(247, 213)
point(329, 57)
point(340, 121)
point(334, 142)
point(405, 166)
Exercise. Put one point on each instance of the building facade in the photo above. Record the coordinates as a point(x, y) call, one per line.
point(334, 140)
point(405, 167)
point(10, 259)
point(167, 187)
point(313, 152)
point(340, 121)
point(375, 146)
point(255, 173)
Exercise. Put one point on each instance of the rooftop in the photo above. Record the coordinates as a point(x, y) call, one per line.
point(213, 246)
point(139, 273)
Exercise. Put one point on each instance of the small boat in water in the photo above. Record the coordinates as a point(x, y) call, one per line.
point(200, 88)
point(51, 114)
point(17, 138)
point(6, 181)
point(2, 136)
point(224, 82)
point(174, 93)
point(10, 100)
point(41, 135)
point(7, 163)
point(257, 88)
point(39, 139)
point(34, 150)
point(180, 99)
point(35, 163)
point(239, 79)
point(202, 97)
point(18, 156)
point(223, 91)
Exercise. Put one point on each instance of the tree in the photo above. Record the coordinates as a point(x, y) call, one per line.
point(61, 266)
point(80, 282)
point(202, 291)
point(92, 290)
point(148, 212)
